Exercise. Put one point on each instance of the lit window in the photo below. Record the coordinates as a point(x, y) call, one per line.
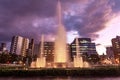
point(73, 44)
point(84, 41)
point(73, 51)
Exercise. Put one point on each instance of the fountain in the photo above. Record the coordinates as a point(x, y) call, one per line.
point(41, 60)
point(61, 55)
point(78, 61)
point(86, 64)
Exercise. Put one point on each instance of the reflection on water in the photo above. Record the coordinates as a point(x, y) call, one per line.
point(59, 78)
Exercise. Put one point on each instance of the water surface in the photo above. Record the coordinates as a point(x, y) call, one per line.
point(59, 78)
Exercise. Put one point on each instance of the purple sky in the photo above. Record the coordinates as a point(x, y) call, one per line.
point(31, 18)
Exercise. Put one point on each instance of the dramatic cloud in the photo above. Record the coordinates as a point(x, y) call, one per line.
point(22, 18)
point(92, 19)
point(31, 18)
point(116, 5)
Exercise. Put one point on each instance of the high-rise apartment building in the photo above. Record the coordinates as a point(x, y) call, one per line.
point(36, 50)
point(116, 48)
point(109, 52)
point(30, 50)
point(19, 45)
point(25, 44)
point(49, 51)
point(3, 47)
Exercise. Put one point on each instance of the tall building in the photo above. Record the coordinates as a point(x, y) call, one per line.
point(116, 48)
point(36, 50)
point(49, 51)
point(30, 50)
point(86, 47)
point(3, 47)
point(109, 52)
point(24, 48)
point(19, 45)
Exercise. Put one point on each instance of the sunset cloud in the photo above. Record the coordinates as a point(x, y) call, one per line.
point(35, 17)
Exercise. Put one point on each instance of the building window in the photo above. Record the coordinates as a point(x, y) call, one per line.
point(73, 46)
point(84, 41)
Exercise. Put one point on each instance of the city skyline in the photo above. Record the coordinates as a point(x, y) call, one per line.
point(98, 20)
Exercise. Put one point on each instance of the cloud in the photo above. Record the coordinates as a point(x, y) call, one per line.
point(115, 5)
point(17, 17)
point(35, 17)
point(92, 20)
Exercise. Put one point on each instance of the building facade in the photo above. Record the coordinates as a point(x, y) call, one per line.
point(86, 48)
point(109, 52)
point(116, 48)
point(49, 51)
point(25, 44)
point(19, 45)
point(36, 49)
point(3, 47)
point(30, 50)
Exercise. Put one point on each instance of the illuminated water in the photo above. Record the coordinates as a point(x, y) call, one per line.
point(60, 56)
point(60, 78)
point(41, 61)
point(78, 61)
